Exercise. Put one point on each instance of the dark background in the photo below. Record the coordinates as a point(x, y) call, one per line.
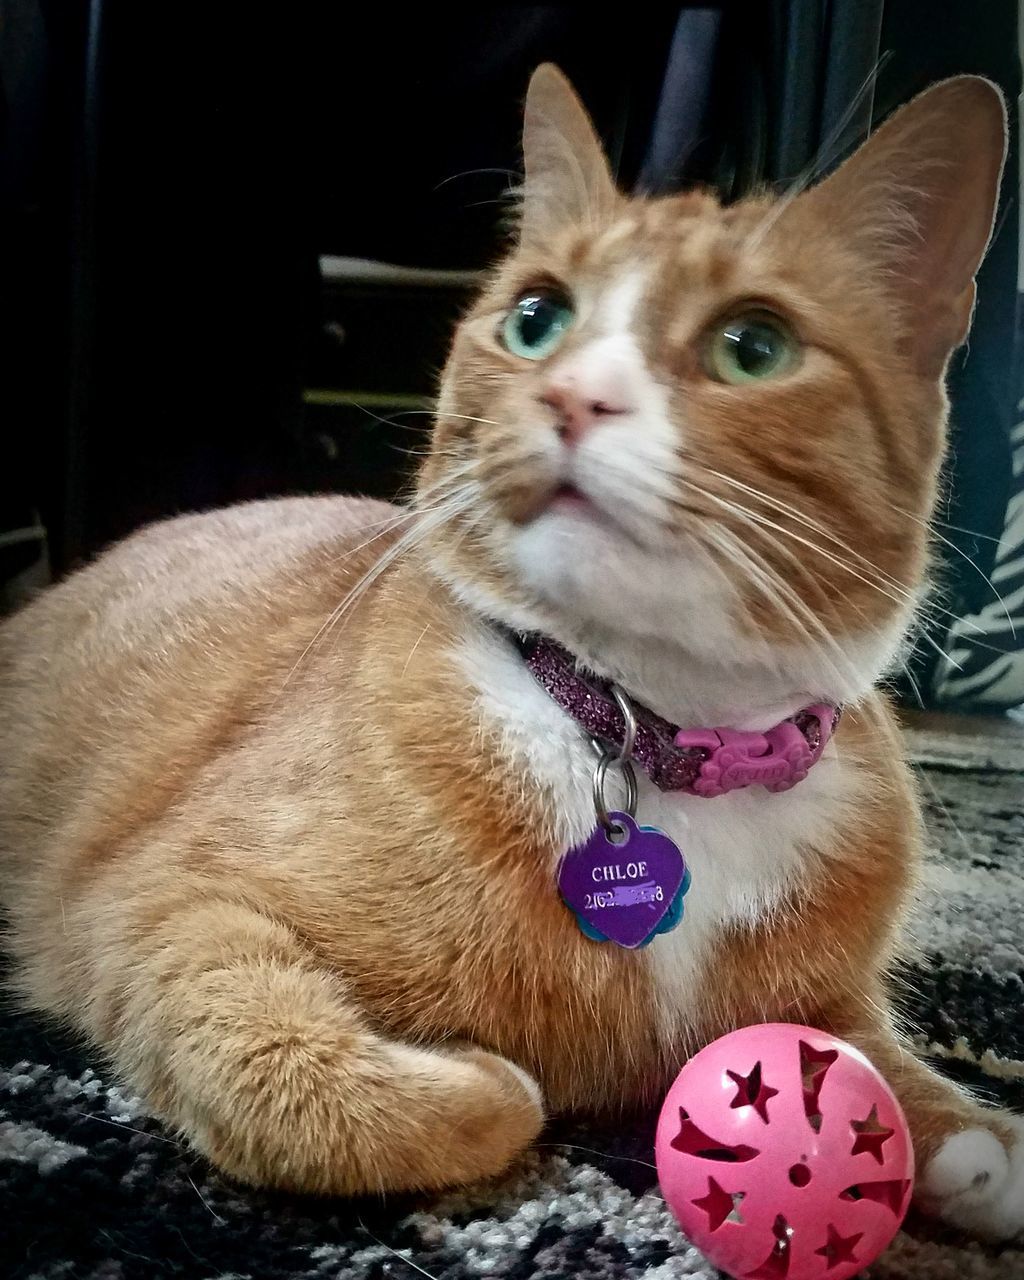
point(172, 174)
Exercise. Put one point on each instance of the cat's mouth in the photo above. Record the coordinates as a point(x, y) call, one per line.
point(563, 498)
point(567, 496)
point(570, 501)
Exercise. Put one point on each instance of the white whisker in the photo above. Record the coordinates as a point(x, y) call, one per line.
point(963, 554)
point(783, 599)
point(927, 609)
point(923, 607)
point(424, 521)
point(904, 598)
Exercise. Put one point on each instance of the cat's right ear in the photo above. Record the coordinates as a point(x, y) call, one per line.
point(567, 176)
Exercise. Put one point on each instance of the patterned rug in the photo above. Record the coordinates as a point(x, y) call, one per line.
point(90, 1189)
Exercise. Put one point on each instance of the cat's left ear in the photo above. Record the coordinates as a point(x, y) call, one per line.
point(567, 176)
point(919, 198)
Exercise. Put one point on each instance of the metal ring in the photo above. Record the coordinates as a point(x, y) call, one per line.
point(629, 741)
point(600, 775)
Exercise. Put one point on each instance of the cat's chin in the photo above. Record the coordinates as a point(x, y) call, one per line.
point(589, 569)
point(662, 624)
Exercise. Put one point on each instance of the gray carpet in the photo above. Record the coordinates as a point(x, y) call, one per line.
point(90, 1189)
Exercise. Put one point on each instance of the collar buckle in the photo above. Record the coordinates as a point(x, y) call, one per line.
point(777, 759)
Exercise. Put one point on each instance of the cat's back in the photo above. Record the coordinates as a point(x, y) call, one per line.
point(119, 676)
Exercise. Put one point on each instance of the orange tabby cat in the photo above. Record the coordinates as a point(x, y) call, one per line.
point(298, 880)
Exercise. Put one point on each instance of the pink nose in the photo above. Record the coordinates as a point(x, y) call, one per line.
point(577, 410)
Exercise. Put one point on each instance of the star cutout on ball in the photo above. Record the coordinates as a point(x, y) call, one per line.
point(751, 1091)
point(814, 1066)
point(720, 1205)
point(870, 1135)
point(838, 1248)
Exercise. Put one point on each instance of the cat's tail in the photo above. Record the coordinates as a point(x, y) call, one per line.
point(260, 1058)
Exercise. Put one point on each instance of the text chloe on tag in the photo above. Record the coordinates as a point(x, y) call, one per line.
point(628, 890)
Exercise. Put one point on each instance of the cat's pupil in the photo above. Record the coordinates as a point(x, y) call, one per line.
point(755, 347)
point(537, 317)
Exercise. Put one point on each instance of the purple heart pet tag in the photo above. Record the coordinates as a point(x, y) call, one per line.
point(625, 892)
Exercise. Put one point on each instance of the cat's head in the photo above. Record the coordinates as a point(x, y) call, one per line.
point(715, 430)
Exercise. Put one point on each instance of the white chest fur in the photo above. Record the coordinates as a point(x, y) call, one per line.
point(745, 850)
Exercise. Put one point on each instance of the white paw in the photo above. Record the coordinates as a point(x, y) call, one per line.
point(974, 1183)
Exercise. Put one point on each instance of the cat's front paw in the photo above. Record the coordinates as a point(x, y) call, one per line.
point(976, 1179)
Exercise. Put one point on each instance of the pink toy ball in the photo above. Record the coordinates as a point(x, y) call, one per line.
point(785, 1155)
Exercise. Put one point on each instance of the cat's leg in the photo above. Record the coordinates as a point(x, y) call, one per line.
point(233, 1033)
point(970, 1158)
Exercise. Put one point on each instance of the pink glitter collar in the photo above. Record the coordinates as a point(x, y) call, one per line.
point(702, 762)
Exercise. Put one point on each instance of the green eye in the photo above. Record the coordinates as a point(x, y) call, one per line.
point(750, 348)
point(536, 325)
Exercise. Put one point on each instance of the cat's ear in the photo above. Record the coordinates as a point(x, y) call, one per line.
point(919, 197)
point(567, 175)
